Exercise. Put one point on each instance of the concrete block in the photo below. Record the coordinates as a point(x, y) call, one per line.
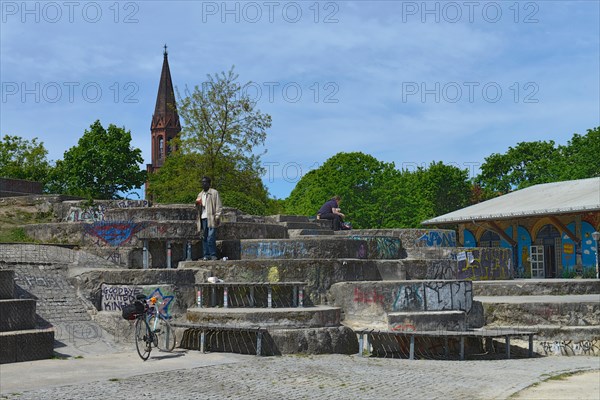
point(7, 284)
point(17, 314)
point(273, 318)
point(361, 299)
point(427, 321)
point(332, 340)
point(26, 345)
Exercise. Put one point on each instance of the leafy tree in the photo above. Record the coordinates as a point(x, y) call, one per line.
point(221, 128)
point(532, 163)
point(23, 159)
point(377, 195)
point(178, 181)
point(101, 165)
point(529, 163)
point(581, 156)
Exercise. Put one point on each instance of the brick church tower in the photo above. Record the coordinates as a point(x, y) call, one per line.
point(165, 121)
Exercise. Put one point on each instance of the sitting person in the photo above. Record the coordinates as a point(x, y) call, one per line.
point(331, 210)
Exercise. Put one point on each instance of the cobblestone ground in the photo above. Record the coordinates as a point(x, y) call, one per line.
point(329, 377)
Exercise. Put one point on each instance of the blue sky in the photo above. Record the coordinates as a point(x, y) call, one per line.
point(408, 82)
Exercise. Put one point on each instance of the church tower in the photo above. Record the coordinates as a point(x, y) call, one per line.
point(165, 121)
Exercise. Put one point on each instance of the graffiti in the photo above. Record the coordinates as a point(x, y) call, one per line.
point(114, 257)
point(437, 239)
point(378, 247)
point(409, 297)
point(362, 251)
point(404, 328)
point(96, 212)
point(571, 348)
point(115, 297)
point(485, 264)
point(114, 233)
point(368, 297)
point(31, 281)
point(77, 214)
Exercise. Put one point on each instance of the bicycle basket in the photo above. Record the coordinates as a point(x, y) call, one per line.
point(131, 311)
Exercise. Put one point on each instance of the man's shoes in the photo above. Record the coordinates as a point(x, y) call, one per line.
point(205, 258)
point(213, 258)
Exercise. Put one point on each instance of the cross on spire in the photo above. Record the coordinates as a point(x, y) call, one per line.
point(165, 53)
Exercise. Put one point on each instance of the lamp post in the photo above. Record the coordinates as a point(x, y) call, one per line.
point(596, 236)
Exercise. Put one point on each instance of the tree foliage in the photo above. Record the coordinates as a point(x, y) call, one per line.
point(101, 165)
point(221, 128)
point(24, 159)
point(532, 163)
point(377, 195)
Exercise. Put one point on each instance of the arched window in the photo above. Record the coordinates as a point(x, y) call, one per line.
point(489, 239)
point(161, 147)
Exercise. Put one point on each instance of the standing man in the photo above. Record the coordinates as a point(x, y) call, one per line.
point(209, 207)
point(331, 210)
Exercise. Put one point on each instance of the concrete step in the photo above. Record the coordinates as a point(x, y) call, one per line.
point(568, 310)
point(275, 318)
point(315, 248)
point(551, 333)
point(529, 287)
point(374, 300)
point(7, 284)
point(287, 218)
point(17, 314)
point(163, 213)
point(187, 230)
point(302, 225)
point(294, 233)
point(26, 345)
point(427, 321)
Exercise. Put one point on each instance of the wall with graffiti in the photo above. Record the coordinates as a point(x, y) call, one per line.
point(480, 264)
point(79, 212)
point(570, 347)
point(115, 297)
point(362, 299)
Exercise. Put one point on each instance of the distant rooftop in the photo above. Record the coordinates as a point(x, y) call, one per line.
point(548, 198)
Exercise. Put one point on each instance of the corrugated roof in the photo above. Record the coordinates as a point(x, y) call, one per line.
point(548, 198)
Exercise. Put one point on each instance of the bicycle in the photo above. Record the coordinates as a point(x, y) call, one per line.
point(152, 329)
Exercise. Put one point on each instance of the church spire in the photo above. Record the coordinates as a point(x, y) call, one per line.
point(165, 124)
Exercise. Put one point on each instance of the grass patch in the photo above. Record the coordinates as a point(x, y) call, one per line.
point(14, 235)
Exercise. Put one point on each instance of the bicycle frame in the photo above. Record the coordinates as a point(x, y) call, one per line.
point(158, 333)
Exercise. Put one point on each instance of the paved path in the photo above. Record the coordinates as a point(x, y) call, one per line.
point(192, 375)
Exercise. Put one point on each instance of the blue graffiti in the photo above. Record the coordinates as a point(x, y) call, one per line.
point(434, 238)
point(114, 233)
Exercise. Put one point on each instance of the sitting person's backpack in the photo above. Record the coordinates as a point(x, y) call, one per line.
point(131, 311)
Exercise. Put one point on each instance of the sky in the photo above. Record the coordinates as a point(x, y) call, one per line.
point(408, 82)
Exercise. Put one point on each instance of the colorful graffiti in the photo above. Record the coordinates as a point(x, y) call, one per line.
point(378, 247)
point(482, 264)
point(115, 297)
point(114, 233)
point(437, 239)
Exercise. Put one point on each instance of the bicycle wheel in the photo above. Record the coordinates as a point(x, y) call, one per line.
point(164, 332)
point(142, 344)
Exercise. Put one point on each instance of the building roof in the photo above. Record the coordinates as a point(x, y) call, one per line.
point(580, 195)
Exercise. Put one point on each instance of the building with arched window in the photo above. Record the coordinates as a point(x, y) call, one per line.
point(548, 227)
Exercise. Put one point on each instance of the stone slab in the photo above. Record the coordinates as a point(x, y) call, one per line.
point(427, 321)
point(17, 314)
point(26, 345)
point(282, 318)
point(539, 287)
point(7, 284)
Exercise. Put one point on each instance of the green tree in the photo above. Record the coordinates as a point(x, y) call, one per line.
point(581, 156)
point(445, 187)
point(221, 128)
point(101, 165)
point(24, 159)
point(527, 164)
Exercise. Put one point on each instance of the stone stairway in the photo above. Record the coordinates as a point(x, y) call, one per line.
point(19, 338)
point(565, 313)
